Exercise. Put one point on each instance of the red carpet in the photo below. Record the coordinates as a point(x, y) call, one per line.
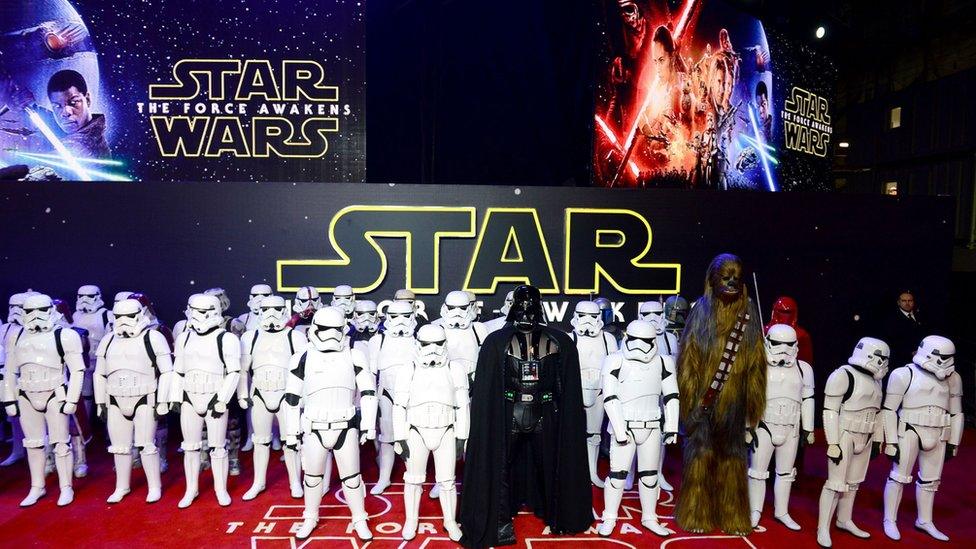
point(266, 521)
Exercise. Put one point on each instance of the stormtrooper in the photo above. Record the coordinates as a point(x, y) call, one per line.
point(307, 301)
point(8, 332)
point(92, 316)
point(420, 311)
point(464, 335)
point(475, 306)
point(265, 356)
point(637, 384)
point(667, 344)
point(344, 299)
point(430, 416)
point(328, 376)
point(924, 421)
point(208, 365)
point(788, 416)
point(676, 310)
point(389, 351)
point(854, 432)
point(653, 312)
point(230, 323)
point(43, 385)
point(594, 345)
point(365, 322)
point(133, 371)
point(251, 320)
point(498, 322)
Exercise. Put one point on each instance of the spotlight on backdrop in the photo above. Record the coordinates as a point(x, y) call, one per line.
point(820, 32)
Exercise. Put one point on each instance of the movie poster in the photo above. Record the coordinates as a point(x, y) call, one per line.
point(170, 90)
point(688, 96)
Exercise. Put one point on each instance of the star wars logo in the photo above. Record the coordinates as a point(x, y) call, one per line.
point(244, 108)
point(602, 249)
point(806, 122)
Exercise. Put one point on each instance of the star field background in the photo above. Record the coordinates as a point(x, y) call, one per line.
point(139, 41)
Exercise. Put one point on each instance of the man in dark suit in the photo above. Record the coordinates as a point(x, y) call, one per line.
point(904, 329)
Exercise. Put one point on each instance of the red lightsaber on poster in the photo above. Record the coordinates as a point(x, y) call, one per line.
point(631, 141)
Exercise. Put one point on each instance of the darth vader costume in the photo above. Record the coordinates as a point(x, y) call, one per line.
point(527, 443)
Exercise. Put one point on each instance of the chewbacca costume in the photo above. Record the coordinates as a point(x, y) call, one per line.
point(714, 490)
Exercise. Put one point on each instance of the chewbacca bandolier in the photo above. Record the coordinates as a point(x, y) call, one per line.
point(722, 382)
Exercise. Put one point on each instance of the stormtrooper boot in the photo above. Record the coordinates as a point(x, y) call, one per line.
point(123, 476)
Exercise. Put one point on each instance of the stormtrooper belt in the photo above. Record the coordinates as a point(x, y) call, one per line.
point(330, 425)
point(511, 396)
point(644, 424)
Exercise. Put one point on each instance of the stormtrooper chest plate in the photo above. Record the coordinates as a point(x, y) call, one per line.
point(201, 353)
point(271, 349)
point(129, 368)
point(431, 385)
point(462, 344)
point(926, 390)
point(866, 393)
point(328, 371)
point(93, 323)
point(40, 364)
point(784, 382)
point(592, 351)
point(639, 390)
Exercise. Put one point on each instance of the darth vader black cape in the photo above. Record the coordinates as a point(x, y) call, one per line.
point(561, 496)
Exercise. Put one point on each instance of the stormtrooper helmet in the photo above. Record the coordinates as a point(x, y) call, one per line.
point(221, 295)
point(130, 318)
point(871, 354)
point(205, 314)
point(328, 329)
point(653, 312)
point(475, 308)
point(400, 321)
point(15, 308)
point(781, 346)
point(89, 299)
point(119, 296)
point(343, 298)
point(640, 341)
point(587, 320)
point(606, 310)
point(431, 346)
point(456, 310)
point(507, 306)
point(273, 313)
point(307, 301)
point(255, 296)
point(40, 314)
point(935, 353)
point(364, 317)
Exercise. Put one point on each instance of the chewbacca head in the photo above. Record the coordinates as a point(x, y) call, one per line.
point(724, 280)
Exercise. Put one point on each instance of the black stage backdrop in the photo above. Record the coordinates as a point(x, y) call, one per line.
point(840, 256)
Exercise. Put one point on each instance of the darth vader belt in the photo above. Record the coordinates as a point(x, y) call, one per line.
point(512, 396)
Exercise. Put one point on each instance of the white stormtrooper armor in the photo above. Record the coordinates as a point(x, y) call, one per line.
point(418, 306)
point(430, 415)
point(9, 331)
point(91, 315)
point(344, 299)
point(464, 336)
point(594, 345)
point(365, 322)
point(788, 416)
point(208, 367)
point(45, 369)
point(307, 301)
point(229, 323)
point(498, 322)
point(475, 306)
point(923, 420)
point(637, 384)
point(667, 342)
point(265, 356)
point(328, 376)
point(854, 432)
point(388, 353)
point(251, 320)
point(133, 371)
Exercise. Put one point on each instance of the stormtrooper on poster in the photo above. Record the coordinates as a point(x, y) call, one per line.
point(327, 377)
